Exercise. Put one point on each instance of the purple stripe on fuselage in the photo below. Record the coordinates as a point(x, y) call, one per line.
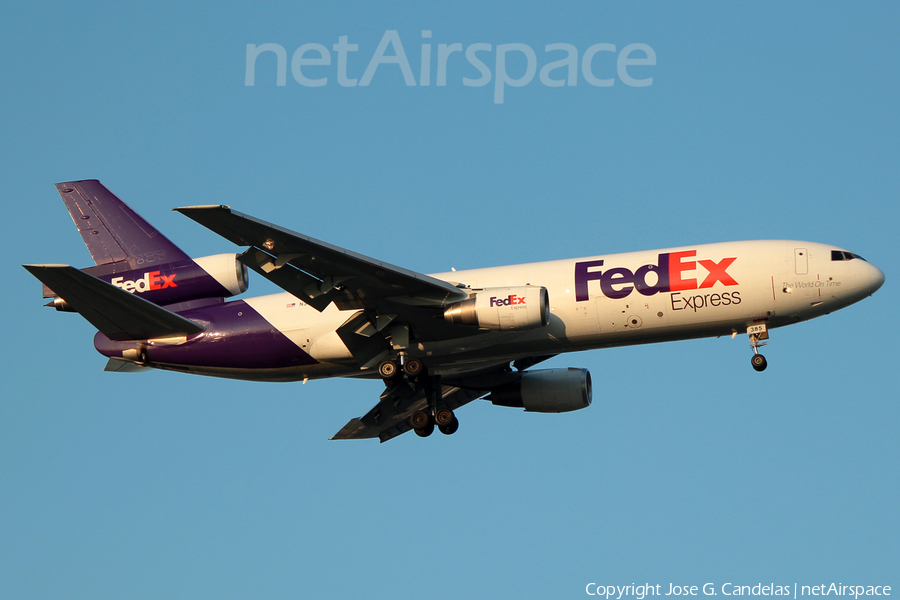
point(236, 337)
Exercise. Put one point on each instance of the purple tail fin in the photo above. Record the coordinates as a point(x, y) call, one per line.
point(113, 233)
point(131, 254)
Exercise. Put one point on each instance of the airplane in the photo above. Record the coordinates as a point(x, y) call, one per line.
point(437, 341)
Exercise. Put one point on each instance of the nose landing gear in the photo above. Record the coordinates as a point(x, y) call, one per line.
point(757, 334)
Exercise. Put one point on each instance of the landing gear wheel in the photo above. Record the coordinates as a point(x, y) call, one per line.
point(388, 369)
point(420, 420)
point(443, 417)
point(759, 362)
point(451, 427)
point(413, 367)
point(759, 333)
point(425, 431)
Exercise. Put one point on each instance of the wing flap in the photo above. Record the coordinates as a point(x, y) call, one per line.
point(291, 279)
point(118, 314)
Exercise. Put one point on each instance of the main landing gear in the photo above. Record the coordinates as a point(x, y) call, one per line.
point(757, 334)
point(390, 370)
point(422, 421)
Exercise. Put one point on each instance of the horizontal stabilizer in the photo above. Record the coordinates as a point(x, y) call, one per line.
point(118, 314)
point(118, 365)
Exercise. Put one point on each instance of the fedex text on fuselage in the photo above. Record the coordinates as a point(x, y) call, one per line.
point(673, 272)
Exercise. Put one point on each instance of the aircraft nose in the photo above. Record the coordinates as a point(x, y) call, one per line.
point(876, 279)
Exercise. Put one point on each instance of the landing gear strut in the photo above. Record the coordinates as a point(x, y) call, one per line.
point(757, 334)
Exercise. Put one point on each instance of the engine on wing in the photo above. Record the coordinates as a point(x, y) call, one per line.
point(508, 308)
point(547, 390)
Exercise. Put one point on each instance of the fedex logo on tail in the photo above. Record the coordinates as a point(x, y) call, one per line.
point(149, 282)
point(674, 271)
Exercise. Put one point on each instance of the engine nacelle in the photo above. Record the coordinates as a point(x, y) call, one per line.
point(217, 276)
point(227, 270)
point(547, 391)
point(508, 308)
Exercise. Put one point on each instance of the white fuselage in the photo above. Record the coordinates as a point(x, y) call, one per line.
point(610, 300)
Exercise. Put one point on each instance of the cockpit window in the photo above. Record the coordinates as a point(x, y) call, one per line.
point(844, 255)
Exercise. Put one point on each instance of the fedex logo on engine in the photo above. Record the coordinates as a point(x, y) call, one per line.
point(511, 300)
point(674, 272)
point(149, 282)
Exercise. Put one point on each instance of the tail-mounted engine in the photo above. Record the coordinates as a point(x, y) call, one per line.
point(525, 307)
point(217, 276)
point(227, 270)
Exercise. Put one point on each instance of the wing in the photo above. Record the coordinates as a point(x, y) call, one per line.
point(320, 273)
point(391, 307)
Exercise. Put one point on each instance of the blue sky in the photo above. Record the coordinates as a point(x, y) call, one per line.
point(768, 120)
